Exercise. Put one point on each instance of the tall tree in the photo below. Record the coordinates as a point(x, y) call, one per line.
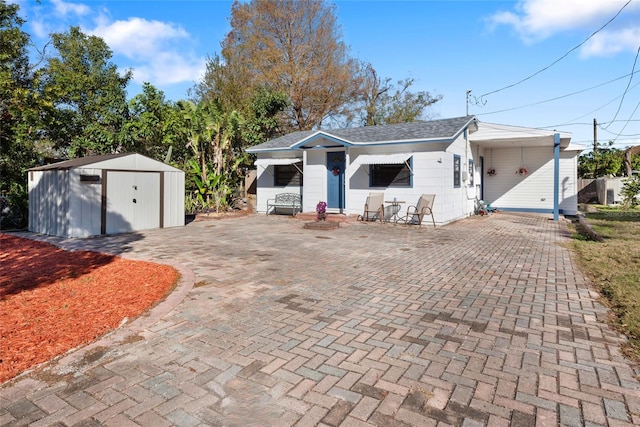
point(19, 112)
point(212, 134)
point(226, 82)
point(150, 128)
point(262, 118)
point(294, 47)
point(607, 160)
point(261, 106)
point(87, 94)
point(385, 103)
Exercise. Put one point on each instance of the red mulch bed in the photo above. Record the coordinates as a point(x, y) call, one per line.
point(52, 300)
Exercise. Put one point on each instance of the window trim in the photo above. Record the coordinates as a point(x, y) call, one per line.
point(277, 176)
point(407, 165)
point(457, 171)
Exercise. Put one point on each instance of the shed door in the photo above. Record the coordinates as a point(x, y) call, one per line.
point(133, 201)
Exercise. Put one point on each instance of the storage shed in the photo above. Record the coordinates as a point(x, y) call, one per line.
point(108, 194)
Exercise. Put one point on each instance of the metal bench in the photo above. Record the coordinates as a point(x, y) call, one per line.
point(291, 201)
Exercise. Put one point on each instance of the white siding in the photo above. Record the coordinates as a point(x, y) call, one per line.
point(60, 204)
point(535, 190)
point(133, 201)
point(432, 166)
point(49, 202)
point(85, 204)
point(568, 191)
point(266, 185)
point(315, 180)
point(457, 203)
point(173, 199)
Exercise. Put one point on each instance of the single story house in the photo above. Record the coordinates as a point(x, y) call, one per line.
point(108, 194)
point(461, 160)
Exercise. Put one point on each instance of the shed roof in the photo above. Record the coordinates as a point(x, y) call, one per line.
point(434, 130)
point(123, 161)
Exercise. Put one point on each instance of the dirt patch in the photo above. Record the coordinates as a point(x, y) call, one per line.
point(52, 300)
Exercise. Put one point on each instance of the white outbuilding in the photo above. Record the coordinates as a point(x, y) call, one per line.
point(110, 194)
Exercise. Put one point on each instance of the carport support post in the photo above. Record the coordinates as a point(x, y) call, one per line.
point(556, 176)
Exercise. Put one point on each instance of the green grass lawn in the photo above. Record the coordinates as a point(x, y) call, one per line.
point(614, 267)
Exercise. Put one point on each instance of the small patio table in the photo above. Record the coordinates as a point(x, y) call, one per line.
point(395, 208)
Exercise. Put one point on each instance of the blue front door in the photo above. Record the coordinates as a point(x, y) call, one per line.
point(335, 180)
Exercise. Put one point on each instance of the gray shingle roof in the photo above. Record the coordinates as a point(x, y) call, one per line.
point(444, 129)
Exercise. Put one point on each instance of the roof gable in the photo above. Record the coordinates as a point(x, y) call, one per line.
point(124, 161)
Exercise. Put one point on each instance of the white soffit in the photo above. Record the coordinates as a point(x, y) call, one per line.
point(276, 161)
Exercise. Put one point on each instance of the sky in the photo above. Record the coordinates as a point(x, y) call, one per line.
point(552, 64)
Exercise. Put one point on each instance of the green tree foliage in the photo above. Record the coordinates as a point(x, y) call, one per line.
point(87, 95)
point(606, 161)
point(630, 191)
point(227, 82)
point(18, 118)
point(293, 47)
point(153, 127)
point(385, 103)
point(262, 121)
point(260, 106)
point(212, 135)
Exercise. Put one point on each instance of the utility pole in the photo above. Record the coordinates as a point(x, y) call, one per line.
point(468, 93)
point(595, 136)
point(595, 147)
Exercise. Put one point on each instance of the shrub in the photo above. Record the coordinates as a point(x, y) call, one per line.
point(630, 191)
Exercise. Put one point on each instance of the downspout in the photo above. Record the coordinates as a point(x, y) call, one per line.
point(305, 159)
point(347, 163)
point(556, 176)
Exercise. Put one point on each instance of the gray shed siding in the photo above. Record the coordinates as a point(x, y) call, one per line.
point(49, 202)
point(91, 199)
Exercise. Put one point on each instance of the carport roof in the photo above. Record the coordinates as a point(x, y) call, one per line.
point(419, 131)
point(493, 135)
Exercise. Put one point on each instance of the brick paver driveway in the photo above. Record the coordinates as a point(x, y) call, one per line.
point(482, 322)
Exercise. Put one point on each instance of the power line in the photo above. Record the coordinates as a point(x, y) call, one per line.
point(584, 123)
point(559, 59)
point(568, 95)
point(618, 133)
point(628, 121)
point(635, 61)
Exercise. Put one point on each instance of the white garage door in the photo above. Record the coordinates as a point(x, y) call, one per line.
point(133, 201)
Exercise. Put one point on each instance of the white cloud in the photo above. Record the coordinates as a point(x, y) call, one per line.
point(535, 20)
point(608, 43)
point(40, 29)
point(63, 8)
point(160, 52)
point(170, 68)
point(137, 37)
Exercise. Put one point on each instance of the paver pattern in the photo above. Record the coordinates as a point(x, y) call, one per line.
point(486, 321)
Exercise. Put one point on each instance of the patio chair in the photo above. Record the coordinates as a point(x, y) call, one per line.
point(415, 214)
point(373, 208)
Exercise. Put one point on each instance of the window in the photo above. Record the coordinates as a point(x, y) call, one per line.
point(471, 172)
point(90, 179)
point(287, 175)
point(456, 171)
point(390, 175)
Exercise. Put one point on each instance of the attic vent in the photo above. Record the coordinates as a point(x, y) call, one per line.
point(90, 179)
